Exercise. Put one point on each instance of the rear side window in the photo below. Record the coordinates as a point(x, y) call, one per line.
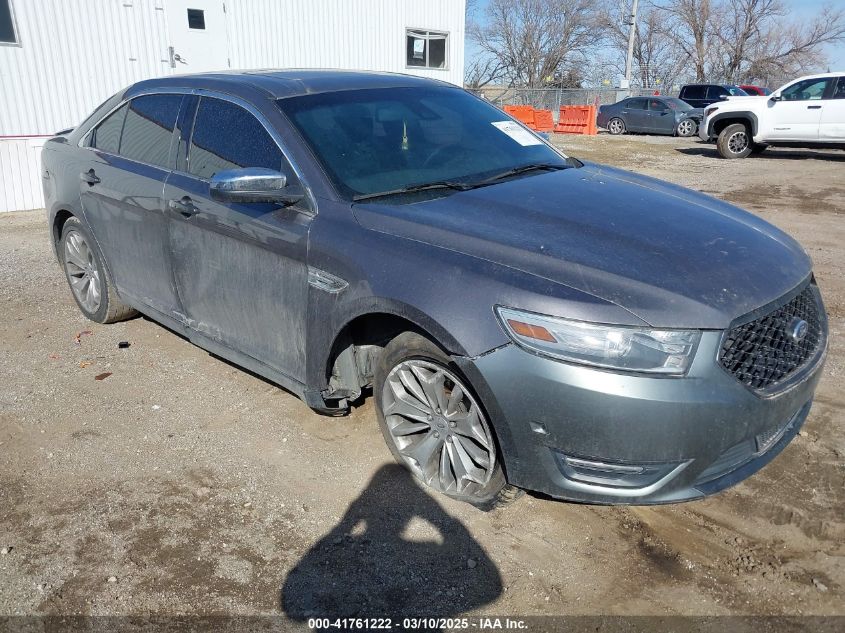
point(106, 136)
point(148, 129)
point(839, 90)
point(637, 104)
point(226, 136)
point(714, 92)
point(693, 92)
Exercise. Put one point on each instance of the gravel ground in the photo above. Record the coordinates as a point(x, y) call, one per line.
point(180, 484)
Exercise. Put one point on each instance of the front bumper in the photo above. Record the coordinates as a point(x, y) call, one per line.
point(704, 130)
point(594, 436)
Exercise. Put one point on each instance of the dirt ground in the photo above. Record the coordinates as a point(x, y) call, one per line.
point(182, 484)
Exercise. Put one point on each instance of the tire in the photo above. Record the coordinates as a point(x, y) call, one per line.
point(413, 375)
point(87, 275)
point(758, 148)
point(687, 128)
point(616, 126)
point(734, 141)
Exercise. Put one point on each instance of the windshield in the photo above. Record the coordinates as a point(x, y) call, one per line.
point(736, 91)
point(389, 139)
point(677, 104)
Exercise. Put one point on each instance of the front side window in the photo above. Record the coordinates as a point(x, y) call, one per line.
point(226, 136)
point(807, 90)
point(148, 129)
point(106, 136)
point(7, 23)
point(425, 49)
point(379, 140)
point(656, 105)
point(716, 92)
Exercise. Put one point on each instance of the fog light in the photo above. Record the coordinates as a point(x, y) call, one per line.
point(612, 474)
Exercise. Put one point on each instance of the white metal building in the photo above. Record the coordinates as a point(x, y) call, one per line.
point(59, 59)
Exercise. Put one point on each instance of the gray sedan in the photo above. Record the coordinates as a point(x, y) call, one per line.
point(522, 319)
point(651, 115)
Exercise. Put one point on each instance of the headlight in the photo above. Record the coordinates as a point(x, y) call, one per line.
point(634, 349)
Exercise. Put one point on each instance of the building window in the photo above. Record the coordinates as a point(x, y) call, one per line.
point(7, 23)
point(425, 49)
point(196, 19)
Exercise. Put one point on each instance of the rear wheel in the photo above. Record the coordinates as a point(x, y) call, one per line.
point(434, 425)
point(616, 126)
point(86, 274)
point(734, 141)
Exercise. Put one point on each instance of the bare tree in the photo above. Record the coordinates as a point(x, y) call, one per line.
point(538, 42)
point(690, 23)
point(658, 60)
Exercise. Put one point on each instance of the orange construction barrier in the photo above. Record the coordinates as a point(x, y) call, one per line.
point(577, 120)
point(523, 113)
point(543, 121)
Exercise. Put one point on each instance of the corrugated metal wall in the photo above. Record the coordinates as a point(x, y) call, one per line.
point(73, 54)
point(364, 34)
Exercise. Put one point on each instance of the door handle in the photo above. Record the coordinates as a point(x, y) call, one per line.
point(184, 206)
point(90, 177)
point(814, 107)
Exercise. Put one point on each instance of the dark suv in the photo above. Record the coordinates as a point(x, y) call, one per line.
point(524, 320)
point(702, 95)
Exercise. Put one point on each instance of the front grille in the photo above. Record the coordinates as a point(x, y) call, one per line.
point(763, 355)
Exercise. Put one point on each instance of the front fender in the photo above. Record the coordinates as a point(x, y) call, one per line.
point(741, 115)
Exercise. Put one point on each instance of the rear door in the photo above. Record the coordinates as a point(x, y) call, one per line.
point(832, 126)
point(696, 96)
point(635, 115)
point(798, 114)
point(240, 268)
point(121, 193)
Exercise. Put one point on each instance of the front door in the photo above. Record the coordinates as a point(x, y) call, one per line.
point(240, 268)
point(121, 194)
point(196, 31)
point(661, 119)
point(797, 115)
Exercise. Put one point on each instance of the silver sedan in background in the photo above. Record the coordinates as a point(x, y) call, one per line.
point(650, 115)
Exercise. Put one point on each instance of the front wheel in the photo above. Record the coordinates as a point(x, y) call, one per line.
point(434, 425)
point(734, 141)
point(687, 128)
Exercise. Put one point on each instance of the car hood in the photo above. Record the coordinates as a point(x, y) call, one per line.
point(669, 255)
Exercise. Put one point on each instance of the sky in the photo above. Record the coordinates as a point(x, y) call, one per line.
point(804, 9)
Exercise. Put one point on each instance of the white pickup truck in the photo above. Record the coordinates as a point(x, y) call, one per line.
point(808, 112)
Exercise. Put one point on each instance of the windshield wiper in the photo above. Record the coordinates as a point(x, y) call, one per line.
point(522, 169)
point(442, 184)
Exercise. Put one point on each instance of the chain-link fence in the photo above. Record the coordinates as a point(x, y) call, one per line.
point(553, 98)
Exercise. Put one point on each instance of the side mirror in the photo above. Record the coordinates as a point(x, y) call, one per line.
point(253, 184)
point(776, 96)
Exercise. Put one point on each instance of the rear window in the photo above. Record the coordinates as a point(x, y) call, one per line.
point(148, 129)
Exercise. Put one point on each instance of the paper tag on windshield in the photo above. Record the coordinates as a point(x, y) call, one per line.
point(517, 132)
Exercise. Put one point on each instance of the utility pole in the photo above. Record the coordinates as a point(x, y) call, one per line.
point(632, 32)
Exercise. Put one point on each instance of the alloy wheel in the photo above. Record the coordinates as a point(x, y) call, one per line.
point(738, 142)
point(437, 427)
point(686, 128)
point(616, 126)
point(82, 271)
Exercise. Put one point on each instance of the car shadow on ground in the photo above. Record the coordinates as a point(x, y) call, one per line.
point(395, 553)
point(709, 150)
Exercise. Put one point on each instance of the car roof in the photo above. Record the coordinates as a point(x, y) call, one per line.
point(278, 83)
